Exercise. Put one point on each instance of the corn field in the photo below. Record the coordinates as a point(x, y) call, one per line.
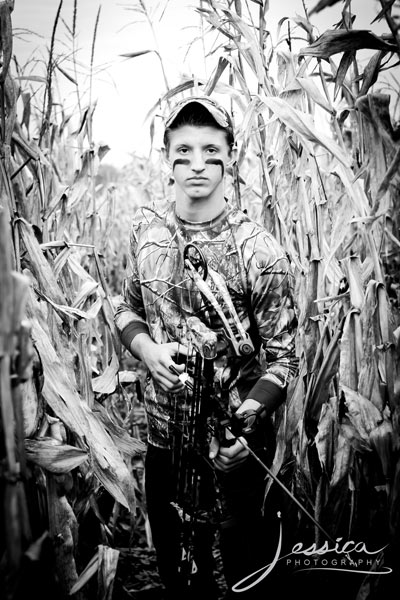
point(71, 450)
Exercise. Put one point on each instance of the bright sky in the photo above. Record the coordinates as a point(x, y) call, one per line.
point(127, 89)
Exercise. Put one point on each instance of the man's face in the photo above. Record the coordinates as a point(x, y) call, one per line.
point(198, 157)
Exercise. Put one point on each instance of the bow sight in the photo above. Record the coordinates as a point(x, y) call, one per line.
point(199, 272)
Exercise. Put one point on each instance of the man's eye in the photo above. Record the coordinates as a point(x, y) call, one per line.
point(212, 150)
point(183, 150)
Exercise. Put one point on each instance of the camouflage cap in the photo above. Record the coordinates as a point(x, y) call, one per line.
point(218, 112)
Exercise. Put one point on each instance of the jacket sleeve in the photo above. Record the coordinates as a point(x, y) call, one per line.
point(130, 315)
point(271, 292)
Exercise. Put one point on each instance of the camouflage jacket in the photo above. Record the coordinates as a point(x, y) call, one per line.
point(161, 298)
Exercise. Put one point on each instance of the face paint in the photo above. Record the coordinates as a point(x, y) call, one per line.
point(192, 153)
point(180, 161)
point(216, 161)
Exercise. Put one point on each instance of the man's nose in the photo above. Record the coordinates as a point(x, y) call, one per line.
point(198, 163)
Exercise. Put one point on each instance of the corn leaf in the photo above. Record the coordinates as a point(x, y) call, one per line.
point(344, 65)
point(303, 125)
point(386, 7)
point(107, 567)
point(125, 443)
point(86, 575)
point(61, 394)
point(39, 266)
point(390, 174)
point(63, 523)
point(107, 381)
point(56, 458)
point(342, 459)
point(371, 72)
point(362, 413)
point(325, 437)
point(313, 92)
point(321, 5)
point(135, 54)
point(342, 40)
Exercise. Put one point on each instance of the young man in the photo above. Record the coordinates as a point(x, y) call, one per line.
point(208, 309)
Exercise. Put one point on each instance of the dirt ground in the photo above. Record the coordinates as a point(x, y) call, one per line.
point(137, 577)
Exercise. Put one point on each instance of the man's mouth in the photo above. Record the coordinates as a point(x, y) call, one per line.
point(197, 179)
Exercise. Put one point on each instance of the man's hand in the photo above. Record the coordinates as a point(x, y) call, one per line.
point(158, 359)
point(228, 458)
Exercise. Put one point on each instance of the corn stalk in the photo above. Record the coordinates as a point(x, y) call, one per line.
point(330, 194)
point(64, 446)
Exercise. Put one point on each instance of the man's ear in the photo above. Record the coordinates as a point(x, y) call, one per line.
point(165, 155)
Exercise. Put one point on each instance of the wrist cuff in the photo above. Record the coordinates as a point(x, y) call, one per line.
point(268, 394)
point(131, 331)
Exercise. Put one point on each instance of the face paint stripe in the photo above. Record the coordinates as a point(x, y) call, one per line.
point(216, 161)
point(180, 161)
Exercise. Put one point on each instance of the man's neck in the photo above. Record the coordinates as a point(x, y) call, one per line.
point(199, 210)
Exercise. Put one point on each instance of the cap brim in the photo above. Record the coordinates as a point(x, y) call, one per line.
point(216, 113)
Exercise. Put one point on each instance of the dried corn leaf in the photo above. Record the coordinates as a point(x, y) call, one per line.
point(125, 443)
point(319, 390)
point(127, 377)
point(301, 22)
point(342, 459)
point(35, 549)
point(302, 124)
point(63, 526)
point(39, 265)
point(31, 407)
point(107, 381)
point(35, 78)
point(353, 436)
point(222, 64)
point(355, 191)
point(60, 197)
point(107, 567)
point(325, 436)
point(394, 503)
point(66, 312)
point(372, 363)
point(313, 92)
point(78, 270)
point(363, 415)
point(344, 40)
point(54, 457)
point(344, 66)
point(376, 109)
point(295, 403)
point(250, 51)
point(371, 72)
point(382, 442)
point(321, 5)
point(137, 53)
point(7, 288)
point(393, 170)
point(385, 345)
point(61, 394)
point(87, 573)
point(280, 451)
point(387, 5)
point(352, 270)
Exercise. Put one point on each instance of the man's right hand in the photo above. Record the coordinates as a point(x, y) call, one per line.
point(158, 359)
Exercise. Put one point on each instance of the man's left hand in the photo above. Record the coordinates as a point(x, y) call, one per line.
point(226, 458)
